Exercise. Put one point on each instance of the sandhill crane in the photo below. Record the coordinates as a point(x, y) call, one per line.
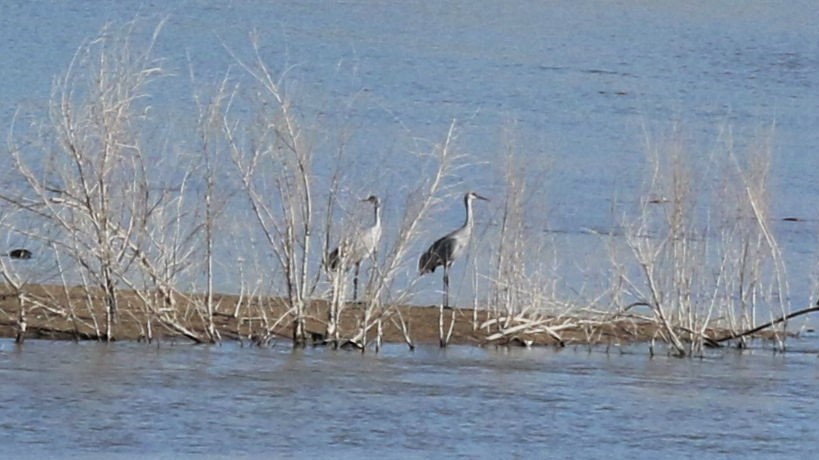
point(444, 251)
point(361, 245)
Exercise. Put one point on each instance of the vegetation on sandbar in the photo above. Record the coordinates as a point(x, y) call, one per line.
point(128, 233)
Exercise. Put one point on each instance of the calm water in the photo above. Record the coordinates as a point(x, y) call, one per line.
point(580, 83)
point(69, 399)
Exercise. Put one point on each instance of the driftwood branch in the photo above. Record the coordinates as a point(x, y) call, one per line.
point(769, 324)
point(526, 326)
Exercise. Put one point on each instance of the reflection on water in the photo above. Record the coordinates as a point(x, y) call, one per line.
point(467, 402)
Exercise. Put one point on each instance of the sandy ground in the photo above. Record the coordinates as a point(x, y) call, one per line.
point(48, 316)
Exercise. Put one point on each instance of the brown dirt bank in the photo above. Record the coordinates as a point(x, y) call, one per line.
point(53, 312)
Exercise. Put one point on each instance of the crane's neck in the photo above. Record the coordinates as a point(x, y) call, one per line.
point(468, 206)
point(377, 215)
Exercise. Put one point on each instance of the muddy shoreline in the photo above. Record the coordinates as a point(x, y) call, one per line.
point(53, 312)
point(57, 313)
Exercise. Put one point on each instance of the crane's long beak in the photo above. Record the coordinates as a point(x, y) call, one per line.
point(481, 197)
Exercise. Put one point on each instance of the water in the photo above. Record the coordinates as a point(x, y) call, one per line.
point(72, 400)
point(579, 83)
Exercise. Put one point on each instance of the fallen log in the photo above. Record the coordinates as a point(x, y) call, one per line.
point(768, 324)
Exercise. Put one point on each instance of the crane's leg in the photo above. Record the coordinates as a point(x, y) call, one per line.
point(355, 282)
point(446, 287)
point(445, 304)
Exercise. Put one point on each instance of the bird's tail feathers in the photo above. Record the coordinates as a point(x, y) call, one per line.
point(334, 259)
point(428, 263)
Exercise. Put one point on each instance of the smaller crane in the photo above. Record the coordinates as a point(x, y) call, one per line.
point(358, 247)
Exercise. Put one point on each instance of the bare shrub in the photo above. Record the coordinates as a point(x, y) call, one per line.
point(91, 163)
point(274, 163)
point(698, 257)
point(751, 252)
point(112, 218)
point(522, 298)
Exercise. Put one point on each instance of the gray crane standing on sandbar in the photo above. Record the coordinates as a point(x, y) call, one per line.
point(358, 247)
point(444, 251)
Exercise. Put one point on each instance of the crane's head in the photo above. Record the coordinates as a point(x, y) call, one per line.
point(474, 196)
point(372, 199)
